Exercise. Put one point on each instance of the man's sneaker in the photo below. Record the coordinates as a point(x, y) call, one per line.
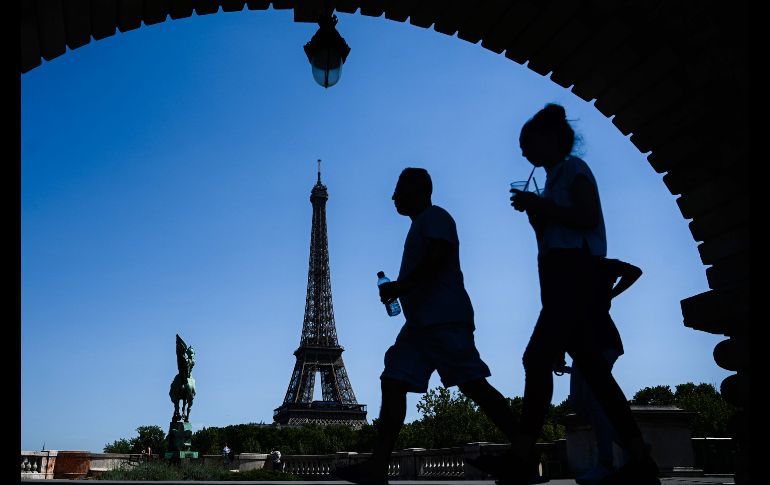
point(634, 473)
point(594, 475)
point(362, 473)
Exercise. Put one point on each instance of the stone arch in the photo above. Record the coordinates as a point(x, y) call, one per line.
point(673, 74)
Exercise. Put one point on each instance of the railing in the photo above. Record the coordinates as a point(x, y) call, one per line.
point(311, 467)
point(37, 464)
point(32, 464)
point(410, 464)
point(442, 463)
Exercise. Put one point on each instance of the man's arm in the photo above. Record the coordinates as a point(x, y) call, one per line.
point(583, 214)
point(628, 274)
point(436, 257)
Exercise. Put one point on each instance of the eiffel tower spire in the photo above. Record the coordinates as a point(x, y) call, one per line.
point(319, 350)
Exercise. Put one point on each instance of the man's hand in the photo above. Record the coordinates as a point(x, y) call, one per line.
point(390, 291)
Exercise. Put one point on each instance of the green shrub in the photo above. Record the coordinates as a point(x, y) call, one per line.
point(161, 470)
point(157, 470)
point(164, 471)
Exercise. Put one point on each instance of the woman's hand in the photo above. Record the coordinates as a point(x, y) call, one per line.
point(524, 201)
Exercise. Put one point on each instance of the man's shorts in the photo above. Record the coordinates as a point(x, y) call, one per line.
point(448, 349)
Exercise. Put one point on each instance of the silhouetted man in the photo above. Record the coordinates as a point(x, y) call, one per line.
point(438, 333)
point(615, 277)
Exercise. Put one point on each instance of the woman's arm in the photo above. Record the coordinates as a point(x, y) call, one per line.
point(583, 214)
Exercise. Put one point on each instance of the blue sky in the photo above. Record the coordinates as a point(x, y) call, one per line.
point(166, 175)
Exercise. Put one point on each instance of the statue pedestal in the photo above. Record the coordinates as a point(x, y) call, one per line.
point(180, 442)
point(180, 455)
point(665, 428)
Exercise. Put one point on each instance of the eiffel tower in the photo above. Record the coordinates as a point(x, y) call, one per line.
point(319, 351)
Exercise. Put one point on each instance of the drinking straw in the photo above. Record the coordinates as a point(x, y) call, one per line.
point(530, 178)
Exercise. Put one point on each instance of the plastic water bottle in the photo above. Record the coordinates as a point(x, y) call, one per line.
point(393, 307)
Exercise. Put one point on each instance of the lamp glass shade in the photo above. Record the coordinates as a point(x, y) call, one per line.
point(326, 78)
point(327, 67)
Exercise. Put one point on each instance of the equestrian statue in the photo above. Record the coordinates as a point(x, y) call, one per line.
point(183, 385)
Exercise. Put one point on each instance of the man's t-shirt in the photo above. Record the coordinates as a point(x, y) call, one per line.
point(442, 299)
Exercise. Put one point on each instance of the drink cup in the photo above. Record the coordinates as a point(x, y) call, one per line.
point(521, 185)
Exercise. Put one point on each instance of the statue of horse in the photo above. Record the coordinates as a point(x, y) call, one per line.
point(182, 389)
point(183, 385)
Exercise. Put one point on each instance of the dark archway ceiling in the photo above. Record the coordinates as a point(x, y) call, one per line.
point(674, 74)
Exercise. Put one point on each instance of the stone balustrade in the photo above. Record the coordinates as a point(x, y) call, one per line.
point(310, 467)
point(37, 464)
point(443, 463)
point(413, 463)
point(409, 464)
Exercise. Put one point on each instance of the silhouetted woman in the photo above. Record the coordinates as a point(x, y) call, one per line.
point(569, 227)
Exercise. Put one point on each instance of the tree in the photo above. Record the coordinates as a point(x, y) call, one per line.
point(204, 440)
point(449, 418)
point(149, 437)
point(714, 412)
point(367, 437)
point(118, 446)
point(654, 396)
point(553, 429)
